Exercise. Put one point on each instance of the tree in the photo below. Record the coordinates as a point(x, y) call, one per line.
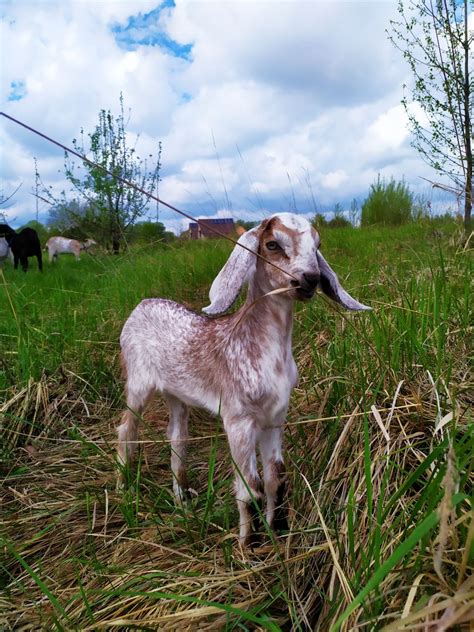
point(112, 206)
point(434, 38)
point(151, 232)
point(67, 218)
point(39, 228)
point(354, 212)
point(339, 220)
point(4, 199)
point(247, 224)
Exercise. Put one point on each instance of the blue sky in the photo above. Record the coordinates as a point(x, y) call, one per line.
point(144, 29)
point(260, 106)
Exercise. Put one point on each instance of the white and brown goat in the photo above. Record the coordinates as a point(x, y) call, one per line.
point(239, 365)
point(62, 245)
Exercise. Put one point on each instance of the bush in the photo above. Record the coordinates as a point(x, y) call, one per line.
point(339, 220)
point(149, 232)
point(319, 221)
point(390, 204)
point(40, 229)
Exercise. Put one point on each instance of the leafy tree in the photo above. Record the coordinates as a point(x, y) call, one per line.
point(390, 204)
point(112, 206)
point(150, 232)
point(66, 218)
point(434, 38)
point(40, 229)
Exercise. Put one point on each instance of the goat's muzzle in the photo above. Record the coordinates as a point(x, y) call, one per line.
point(306, 286)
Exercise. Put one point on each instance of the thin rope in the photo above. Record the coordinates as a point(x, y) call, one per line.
point(405, 407)
point(142, 191)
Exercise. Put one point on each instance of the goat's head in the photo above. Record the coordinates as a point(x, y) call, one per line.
point(290, 259)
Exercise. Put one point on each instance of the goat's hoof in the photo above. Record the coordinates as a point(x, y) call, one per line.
point(184, 494)
point(280, 524)
point(252, 540)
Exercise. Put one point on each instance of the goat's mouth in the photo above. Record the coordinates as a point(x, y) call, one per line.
point(303, 294)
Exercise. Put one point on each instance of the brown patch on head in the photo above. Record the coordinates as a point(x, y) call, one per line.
point(268, 234)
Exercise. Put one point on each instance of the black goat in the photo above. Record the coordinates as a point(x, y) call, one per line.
point(24, 244)
point(5, 231)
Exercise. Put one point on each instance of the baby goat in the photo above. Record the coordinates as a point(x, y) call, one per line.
point(239, 365)
point(59, 245)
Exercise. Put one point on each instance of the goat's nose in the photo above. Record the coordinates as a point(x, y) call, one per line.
point(310, 279)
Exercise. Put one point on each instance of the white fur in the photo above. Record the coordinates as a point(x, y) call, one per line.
point(62, 245)
point(5, 251)
point(239, 365)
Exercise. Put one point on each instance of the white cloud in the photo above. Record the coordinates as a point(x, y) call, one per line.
point(276, 102)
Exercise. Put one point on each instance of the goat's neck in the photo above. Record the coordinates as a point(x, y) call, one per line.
point(272, 314)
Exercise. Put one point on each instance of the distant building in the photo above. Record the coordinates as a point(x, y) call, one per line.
point(206, 228)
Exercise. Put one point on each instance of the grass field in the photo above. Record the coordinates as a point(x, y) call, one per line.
point(379, 452)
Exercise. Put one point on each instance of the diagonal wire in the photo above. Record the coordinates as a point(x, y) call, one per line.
point(149, 195)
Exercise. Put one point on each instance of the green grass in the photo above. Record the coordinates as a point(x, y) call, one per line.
point(379, 452)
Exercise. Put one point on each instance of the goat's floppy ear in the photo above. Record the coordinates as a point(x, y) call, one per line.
point(228, 283)
point(331, 287)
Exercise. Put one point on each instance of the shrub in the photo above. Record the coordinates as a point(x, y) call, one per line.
point(339, 220)
point(390, 204)
point(319, 221)
point(40, 229)
point(150, 232)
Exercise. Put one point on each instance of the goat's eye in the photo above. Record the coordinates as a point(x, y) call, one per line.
point(273, 245)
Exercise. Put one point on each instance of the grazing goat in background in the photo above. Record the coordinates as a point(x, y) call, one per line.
point(4, 250)
point(6, 230)
point(60, 245)
point(24, 244)
point(239, 365)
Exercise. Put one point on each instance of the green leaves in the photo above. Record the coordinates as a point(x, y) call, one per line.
point(434, 40)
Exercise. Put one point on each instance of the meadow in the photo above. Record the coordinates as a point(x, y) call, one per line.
point(379, 452)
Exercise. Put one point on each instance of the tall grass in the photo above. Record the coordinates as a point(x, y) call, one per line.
point(72, 314)
point(390, 204)
point(379, 451)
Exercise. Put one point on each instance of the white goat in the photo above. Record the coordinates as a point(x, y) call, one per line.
point(5, 251)
point(239, 365)
point(60, 245)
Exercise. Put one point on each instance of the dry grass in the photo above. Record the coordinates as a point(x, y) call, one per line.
point(81, 556)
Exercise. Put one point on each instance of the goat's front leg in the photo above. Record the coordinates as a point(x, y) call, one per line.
point(242, 437)
point(178, 435)
point(274, 476)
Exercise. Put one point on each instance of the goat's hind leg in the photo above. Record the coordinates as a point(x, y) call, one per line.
point(128, 430)
point(178, 436)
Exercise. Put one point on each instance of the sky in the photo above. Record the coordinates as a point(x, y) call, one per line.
point(261, 106)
